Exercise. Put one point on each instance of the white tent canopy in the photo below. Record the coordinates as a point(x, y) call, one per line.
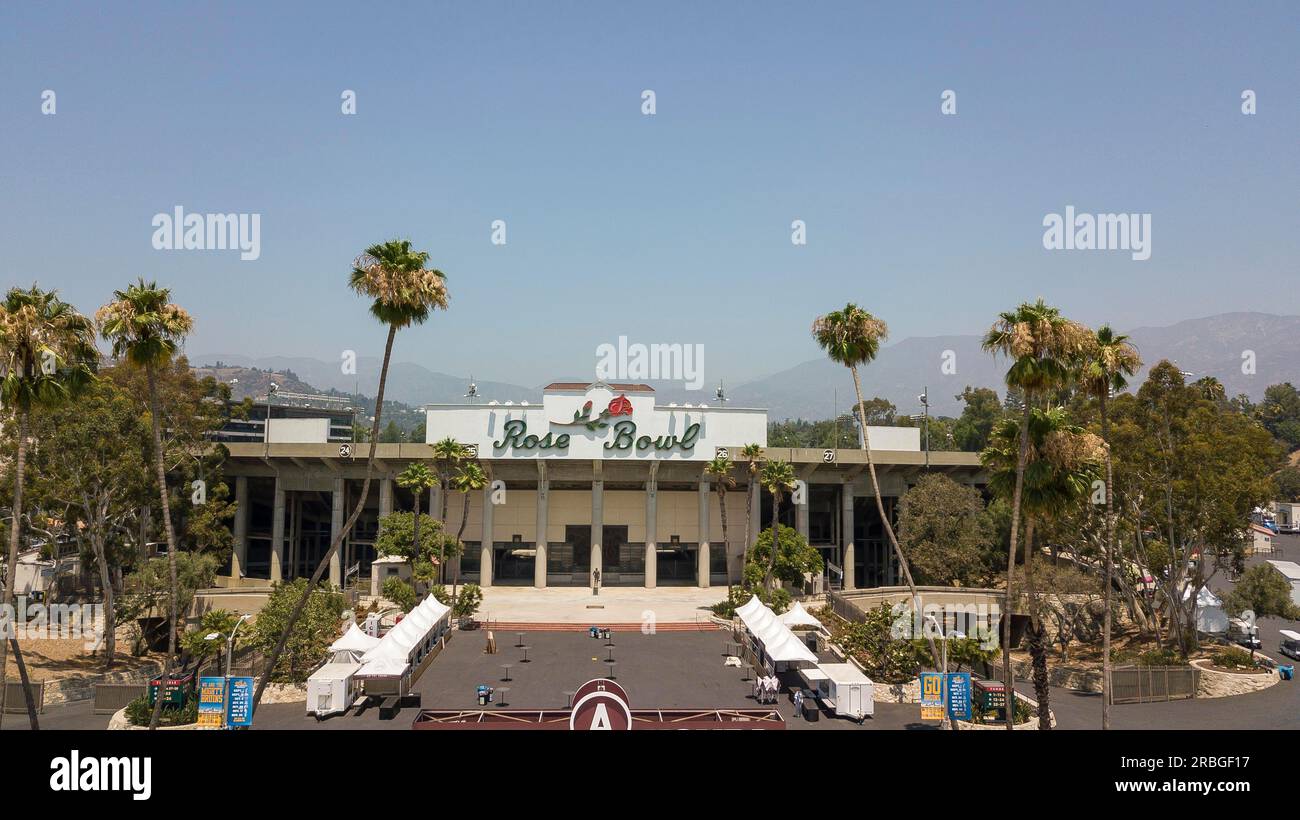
point(354, 640)
point(796, 615)
point(778, 641)
point(398, 649)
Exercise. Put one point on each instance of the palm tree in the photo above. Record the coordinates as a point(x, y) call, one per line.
point(719, 469)
point(403, 292)
point(852, 337)
point(145, 329)
point(47, 353)
point(1062, 463)
point(417, 478)
point(1210, 388)
point(1041, 344)
point(751, 453)
point(778, 478)
point(1110, 360)
point(468, 478)
point(447, 453)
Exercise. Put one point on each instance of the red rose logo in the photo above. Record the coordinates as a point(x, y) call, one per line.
point(620, 407)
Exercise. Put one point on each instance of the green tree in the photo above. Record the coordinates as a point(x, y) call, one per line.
point(1264, 591)
point(1280, 414)
point(751, 453)
point(778, 478)
point(403, 292)
point(468, 479)
point(417, 478)
point(719, 470)
point(1043, 347)
point(145, 329)
point(397, 536)
point(447, 453)
point(401, 594)
point(851, 337)
point(981, 412)
point(304, 640)
point(946, 533)
point(794, 558)
point(1109, 360)
point(1061, 463)
point(220, 621)
point(91, 465)
point(47, 353)
point(1188, 472)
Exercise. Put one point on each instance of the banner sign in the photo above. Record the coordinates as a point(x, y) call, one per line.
point(959, 696)
point(212, 702)
point(239, 704)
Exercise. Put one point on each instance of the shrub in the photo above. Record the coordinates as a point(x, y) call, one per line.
point(1232, 657)
point(401, 594)
point(139, 713)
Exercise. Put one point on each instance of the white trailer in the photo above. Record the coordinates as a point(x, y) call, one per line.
point(331, 689)
point(1290, 570)
point(843, 689)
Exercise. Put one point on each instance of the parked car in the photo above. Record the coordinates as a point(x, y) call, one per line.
point(1290, 644)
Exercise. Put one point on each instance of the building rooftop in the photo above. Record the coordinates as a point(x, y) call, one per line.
point(617, 387)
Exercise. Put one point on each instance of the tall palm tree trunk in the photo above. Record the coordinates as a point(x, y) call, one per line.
point(722, 511)
point(771, 558)
point(415, 527)
point(110, 621)
point(12, 559)
point(338, 539)
point(160, 471)
point(444, 487)
point(1037, 634)
point(1110, 569)
point(455, 574)
point(749, 524)
point(884, 519)
point(1021, 459)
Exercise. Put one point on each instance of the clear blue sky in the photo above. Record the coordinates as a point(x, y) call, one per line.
point(671, 228)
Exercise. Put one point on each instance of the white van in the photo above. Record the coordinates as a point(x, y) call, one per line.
point(1290, 644)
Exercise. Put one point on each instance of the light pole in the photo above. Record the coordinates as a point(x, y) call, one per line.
point(266, 428)
point(947, 721)
point(230, 651)
point(925, 404)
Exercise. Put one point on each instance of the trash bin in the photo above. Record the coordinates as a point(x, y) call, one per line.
point(811, 712)
point(1286, 671)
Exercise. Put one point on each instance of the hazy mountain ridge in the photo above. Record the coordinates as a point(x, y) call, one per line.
point(816, 389)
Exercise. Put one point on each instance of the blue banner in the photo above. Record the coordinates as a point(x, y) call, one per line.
point(959, 696)
point(239, 703)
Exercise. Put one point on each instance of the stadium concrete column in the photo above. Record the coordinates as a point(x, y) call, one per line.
point(385, 496)
point(239, 558)
point(485, 540)
point(539, 544)
point(597, 520)
point(846, 534)
point(277, 533)
point(336, 527)
point(702, 554)
point(801, 511)
point(651, 528)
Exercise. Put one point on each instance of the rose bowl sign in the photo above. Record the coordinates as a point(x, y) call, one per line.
point(600, 705)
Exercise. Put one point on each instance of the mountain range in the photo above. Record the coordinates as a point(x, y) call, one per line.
point(1245, 351)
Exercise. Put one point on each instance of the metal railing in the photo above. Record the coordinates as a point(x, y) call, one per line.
point(110, 697)
point(1147, 684)
point(16, 701)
